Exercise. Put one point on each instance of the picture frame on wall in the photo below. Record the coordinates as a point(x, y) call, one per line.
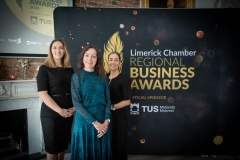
point(168, 4)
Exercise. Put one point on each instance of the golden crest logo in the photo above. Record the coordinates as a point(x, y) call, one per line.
point(114, 45)
point(36, 14)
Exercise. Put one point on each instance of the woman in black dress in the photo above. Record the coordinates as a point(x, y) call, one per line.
point(54, 85)
point(120, 93)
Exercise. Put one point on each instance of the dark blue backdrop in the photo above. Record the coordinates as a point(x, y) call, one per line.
point(202, 118)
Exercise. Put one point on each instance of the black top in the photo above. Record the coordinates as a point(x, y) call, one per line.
point(120, 90)
point(54, 80)
point(57, 81)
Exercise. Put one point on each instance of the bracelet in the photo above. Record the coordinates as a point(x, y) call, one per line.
point(94, 122)
point(112, 108)
point(107, 120)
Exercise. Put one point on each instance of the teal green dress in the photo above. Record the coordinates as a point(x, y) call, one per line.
point(91, 100)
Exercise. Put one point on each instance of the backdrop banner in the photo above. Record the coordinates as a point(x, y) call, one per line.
point(183, 68)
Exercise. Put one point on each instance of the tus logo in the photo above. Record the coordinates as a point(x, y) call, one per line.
point(134, 109)
point(34, 19)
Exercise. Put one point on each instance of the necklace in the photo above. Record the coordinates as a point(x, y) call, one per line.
point(113, 76)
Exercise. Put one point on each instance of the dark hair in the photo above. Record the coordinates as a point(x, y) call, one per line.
point(120, 59)
point(119, 56)
point(98, 68)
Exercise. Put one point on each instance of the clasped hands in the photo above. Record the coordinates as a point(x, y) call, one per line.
point(101, 128)
point(67, 112)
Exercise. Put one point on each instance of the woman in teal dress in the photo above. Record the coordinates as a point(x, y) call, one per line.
point(91, 100)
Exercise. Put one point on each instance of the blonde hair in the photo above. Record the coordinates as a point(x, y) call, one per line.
point(49, 62)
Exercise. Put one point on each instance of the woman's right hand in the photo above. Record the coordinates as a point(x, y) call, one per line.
point(101, 128)
point(64, 113)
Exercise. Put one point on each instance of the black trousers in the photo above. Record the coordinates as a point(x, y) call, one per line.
point(119, 139)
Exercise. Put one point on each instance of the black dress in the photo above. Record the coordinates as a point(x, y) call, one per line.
point(56, 129)
point(119, 90)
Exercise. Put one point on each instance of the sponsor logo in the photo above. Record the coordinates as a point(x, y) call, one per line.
point(48, 43)
point(45, 21)
point(34, 20)
point(18, 40)
point(136, 108)
point(33, 43)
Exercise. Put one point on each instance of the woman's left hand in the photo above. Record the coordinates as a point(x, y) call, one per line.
point(106, 123)
point(71, 111)
point(101, 133)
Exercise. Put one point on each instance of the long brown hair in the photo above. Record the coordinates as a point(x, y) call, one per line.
point(49, 62)
point(98, 68)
